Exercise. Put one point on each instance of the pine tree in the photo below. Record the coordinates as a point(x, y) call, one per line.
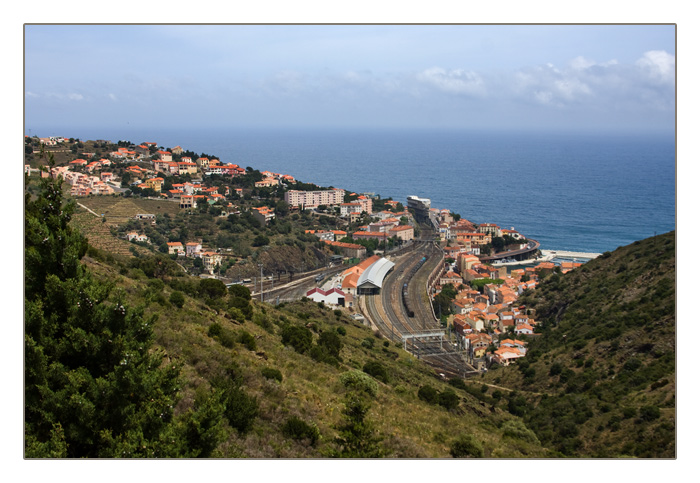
point(94, 386)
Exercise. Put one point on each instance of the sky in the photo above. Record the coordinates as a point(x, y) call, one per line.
point(571, 77)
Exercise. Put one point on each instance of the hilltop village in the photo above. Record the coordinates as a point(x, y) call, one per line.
point(471, 294)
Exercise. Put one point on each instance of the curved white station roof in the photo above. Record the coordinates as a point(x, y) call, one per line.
point(375, 273)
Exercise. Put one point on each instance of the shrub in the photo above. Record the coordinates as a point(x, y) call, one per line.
point(629, 412)
point(466, 446)
point(236, 314)
point(247, 340)
point(270, 373)
point(212, 288)
point(517, 429)
point(368, 343)
point(376, 370)
point(649, 413)
point(241, 409)
point(341, 331)
point(299, 338)
point(448, 399)
point(457, 382)
point(298, 429)
point(242, 304)
point(215, 330)
point(428, 394)
point(177, 299)
point(331, 343)
point(359, 381)
point(239, 291)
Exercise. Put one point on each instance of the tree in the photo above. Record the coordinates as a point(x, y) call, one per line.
point(357, 437)
point(93, 385)
point(212, 288)
point(177, 299)
point(467, 446)
point(239, 291)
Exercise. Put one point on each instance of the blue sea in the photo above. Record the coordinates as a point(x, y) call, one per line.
point(578, 192)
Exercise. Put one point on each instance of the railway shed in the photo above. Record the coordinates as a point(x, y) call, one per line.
point(370, 282)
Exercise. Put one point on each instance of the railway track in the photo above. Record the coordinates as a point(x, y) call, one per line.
point(391, 316)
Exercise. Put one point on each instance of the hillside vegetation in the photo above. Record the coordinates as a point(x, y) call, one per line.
point(600, 378)
point(130, 357)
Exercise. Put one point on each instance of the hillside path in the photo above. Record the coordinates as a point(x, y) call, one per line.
point(83, 206)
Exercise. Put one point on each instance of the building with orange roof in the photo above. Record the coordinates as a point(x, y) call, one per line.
point(402, 232)
point(351, 250)
point(506, 355)
point(176, 248)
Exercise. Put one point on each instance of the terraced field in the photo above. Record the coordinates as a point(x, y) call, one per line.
point(99, 235)
point(118, 210)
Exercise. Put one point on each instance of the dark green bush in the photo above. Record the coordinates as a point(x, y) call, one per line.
point(466, 446)
point(428, 394)
point(241, 409)
point(247, 340)
point(215, 330)
point(212, 288)
point(448, 399)
point(649, 413)
point(341, 330)
point(239, 291)
point(177, 299)
point(299, 338)
point(270, 373)
point(376, 370)
point(298, 429)
point(457, 382)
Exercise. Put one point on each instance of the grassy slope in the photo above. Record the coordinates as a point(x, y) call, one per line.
point(606, 356)
point(311, 390)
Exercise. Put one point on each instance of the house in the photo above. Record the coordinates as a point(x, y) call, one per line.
point(267, 183)
point(351, 250)
point(451, 277)
point(402, 232)
point(211, 260)
point(187, 202)
point(348, 208)
point(193, 249)
point(134, 236)
point(176, 248)
point(165, 155)
point(506, 355)
point(333, 296)
point(155, 184)
point(321, 234)
point(263, 214)
point(525, 329)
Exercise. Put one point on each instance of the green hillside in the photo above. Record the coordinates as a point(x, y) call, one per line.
point(130, 357)
point(605, 358)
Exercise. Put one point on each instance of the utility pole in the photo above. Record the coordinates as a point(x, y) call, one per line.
point(261, 281)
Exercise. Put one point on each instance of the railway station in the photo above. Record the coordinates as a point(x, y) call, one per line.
point(370, 281)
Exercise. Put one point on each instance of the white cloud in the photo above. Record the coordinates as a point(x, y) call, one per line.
point(112, 96)
point(455, 81)
point(581, 63)
point(659, 65)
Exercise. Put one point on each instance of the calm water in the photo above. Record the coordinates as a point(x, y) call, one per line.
point(579, 192)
